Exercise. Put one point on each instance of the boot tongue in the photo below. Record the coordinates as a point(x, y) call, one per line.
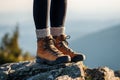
point(60, 38)
point(48, 37)
point(49, 40)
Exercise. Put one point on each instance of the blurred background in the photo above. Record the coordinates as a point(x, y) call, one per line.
point(94, 27)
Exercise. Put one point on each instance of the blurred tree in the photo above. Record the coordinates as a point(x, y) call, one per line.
point(14, 47)
point(10, 50)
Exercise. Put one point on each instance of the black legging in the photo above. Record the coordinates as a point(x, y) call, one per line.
point(57, 13)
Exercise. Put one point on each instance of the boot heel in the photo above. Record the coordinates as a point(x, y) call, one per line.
point(43, 61)
point(39, 60)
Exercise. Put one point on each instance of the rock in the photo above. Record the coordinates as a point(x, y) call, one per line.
point(117, 73)
point(101, 73)
point(30, 70)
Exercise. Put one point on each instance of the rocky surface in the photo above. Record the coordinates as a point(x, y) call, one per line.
point(30, 70)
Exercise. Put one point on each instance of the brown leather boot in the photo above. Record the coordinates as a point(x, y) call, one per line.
point(48, 53)
point(62, 45)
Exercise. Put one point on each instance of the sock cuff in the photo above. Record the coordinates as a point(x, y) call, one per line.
point(57, 31)
point(41, 33)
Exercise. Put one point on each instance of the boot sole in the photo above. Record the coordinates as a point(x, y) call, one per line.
point(63, 59)
point(77, 58)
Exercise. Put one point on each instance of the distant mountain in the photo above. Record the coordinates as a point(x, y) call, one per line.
point(101, 48)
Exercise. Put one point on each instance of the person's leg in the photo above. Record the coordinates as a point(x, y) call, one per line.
point(57, 17)
point(40, 14)
point(46, 51)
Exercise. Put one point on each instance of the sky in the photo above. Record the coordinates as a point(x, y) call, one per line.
point(75, 5)
point(87, 13)
point(20, 10)
point(92, 9)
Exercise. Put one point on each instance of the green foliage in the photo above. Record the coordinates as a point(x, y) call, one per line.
point(10, 50)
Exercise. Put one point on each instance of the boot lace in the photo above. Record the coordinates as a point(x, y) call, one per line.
point(64, 43)
point(51, 48)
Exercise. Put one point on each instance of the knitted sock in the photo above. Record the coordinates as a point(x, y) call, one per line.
point(41, 33)
point(57, 31)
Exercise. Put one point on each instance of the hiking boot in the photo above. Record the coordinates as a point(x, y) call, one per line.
point(47, 53)
point(62, 45)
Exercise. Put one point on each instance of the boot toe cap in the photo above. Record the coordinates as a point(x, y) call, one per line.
point(63, 59)
point(78, 57)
